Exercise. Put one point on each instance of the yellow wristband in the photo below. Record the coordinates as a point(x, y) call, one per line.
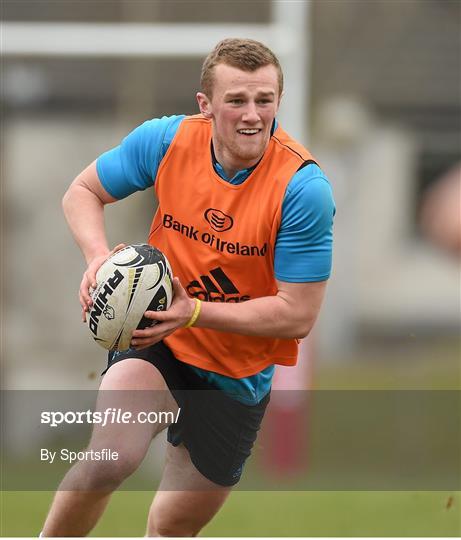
point(195, 315)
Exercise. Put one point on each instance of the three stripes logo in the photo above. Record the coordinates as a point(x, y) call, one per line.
point(218, 220)
point(215, 287)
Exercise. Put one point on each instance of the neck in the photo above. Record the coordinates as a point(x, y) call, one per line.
point(229, 164)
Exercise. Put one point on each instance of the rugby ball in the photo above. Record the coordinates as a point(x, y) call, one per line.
point(134, 280)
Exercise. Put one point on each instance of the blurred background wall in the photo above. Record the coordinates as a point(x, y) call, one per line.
point(373, 88)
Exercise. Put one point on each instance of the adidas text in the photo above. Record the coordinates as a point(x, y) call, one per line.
point(216, 286)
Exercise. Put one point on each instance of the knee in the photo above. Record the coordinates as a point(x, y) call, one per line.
point(173, 530)
point(106, 475)
point(170, 524)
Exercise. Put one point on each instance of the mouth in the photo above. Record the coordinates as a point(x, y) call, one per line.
point(249, 132)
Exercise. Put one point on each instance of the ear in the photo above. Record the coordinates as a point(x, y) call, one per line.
point(280, 99)
point(204, 104)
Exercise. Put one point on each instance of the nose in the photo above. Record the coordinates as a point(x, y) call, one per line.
point(251, 114)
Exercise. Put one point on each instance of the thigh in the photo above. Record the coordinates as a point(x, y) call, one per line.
point(130, 387)
point(218, 432)
point(185, 501)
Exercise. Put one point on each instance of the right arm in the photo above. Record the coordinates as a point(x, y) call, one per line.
point(131, 166)
point(83, 206)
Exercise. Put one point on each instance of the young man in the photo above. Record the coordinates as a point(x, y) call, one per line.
point(245, 218)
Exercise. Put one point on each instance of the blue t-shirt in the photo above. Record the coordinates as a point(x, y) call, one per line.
point(303, 248)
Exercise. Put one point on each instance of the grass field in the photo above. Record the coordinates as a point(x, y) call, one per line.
point(302, 513)
point(269, 514)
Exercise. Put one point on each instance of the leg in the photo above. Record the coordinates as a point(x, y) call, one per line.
point(86, 488)
point(185, 511)
point(220, 432)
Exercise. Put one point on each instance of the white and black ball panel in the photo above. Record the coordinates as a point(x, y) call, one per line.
point(134, 280)
point(138, 255)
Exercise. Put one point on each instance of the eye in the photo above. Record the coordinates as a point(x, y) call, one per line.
point(236, 101)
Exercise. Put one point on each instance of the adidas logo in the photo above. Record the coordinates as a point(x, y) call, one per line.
point(218, 289)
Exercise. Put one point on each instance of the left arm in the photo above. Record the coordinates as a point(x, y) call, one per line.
point(291, 313)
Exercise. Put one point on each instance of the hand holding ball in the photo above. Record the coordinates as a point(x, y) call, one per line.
point(134, 280)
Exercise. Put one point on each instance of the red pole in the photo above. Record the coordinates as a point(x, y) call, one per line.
point(286, 425)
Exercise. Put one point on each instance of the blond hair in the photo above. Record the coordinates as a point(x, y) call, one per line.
point(244, 54)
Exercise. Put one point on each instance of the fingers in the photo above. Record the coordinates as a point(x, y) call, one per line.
point(152, 330)
point(177, 287)
point(118, 247)
point(84, 293)
point(144, 343)
point(89, 280)
point(172, 319)
point(150, 336)
point(178, 290)
point(159, 316)
point(91, 277)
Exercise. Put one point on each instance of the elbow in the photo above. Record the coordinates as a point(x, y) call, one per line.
point(302, 334)
point(76, 194)
point(67, 200)
point(302, 329)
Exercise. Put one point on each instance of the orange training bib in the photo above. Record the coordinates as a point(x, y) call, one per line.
point(220, 239)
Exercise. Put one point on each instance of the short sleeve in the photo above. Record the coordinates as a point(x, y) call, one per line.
point(303, 250)
point(133, 165)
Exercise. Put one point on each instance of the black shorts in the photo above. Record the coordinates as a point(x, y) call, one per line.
point(218, 431)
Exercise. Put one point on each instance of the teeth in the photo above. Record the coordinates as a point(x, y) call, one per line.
point(248, 131)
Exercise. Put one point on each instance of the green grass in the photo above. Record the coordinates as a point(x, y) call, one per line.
point(412, 364)
point(268, 514)
point(303, 513)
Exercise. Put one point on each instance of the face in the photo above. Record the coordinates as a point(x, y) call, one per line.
point(242, 109)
